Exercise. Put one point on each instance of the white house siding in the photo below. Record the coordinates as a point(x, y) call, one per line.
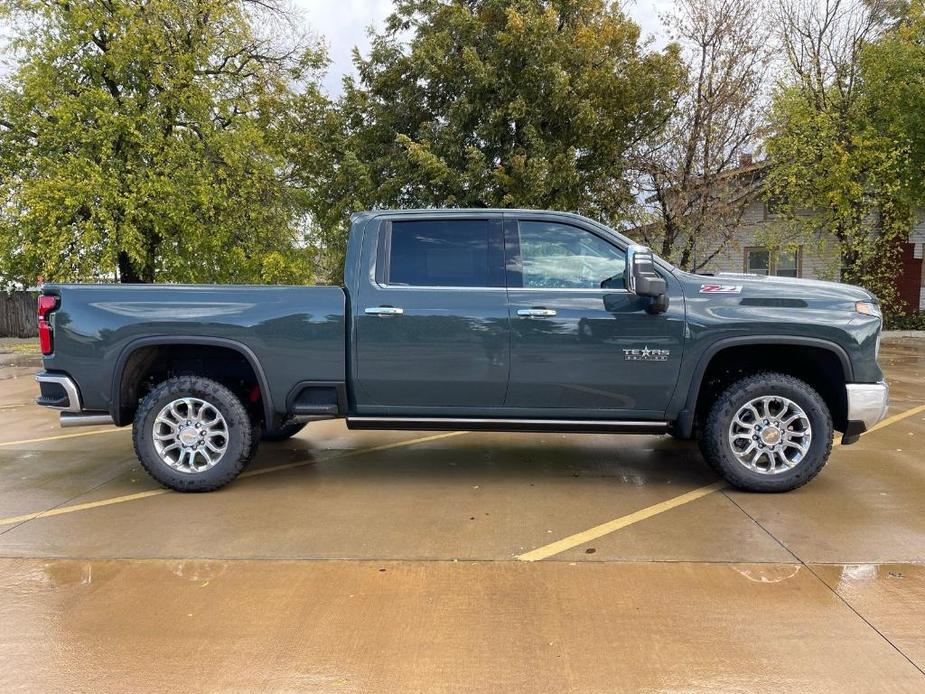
point(819, 260)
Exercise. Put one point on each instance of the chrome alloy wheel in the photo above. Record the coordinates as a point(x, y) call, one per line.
point(770, 435)
point(190, 435)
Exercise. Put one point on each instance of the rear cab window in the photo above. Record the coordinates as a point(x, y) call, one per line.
point(443, 253)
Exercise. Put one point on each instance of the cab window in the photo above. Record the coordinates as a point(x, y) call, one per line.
point(560, 256)
point(444, 253)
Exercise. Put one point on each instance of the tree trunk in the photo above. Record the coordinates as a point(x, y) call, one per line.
point(127, 272)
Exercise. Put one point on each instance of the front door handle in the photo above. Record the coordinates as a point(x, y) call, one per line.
point(536, 312)
point(384, 311)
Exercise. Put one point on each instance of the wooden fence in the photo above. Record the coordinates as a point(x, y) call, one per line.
point(18, 314)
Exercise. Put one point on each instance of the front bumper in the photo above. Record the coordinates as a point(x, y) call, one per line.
point(867, 403)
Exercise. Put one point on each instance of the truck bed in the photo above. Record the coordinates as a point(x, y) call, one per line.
point(297, 331)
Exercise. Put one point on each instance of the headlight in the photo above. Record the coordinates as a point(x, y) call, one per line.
point(868, 308)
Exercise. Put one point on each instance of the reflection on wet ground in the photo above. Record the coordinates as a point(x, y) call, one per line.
point(385, 561)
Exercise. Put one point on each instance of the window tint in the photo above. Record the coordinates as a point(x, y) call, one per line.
point(559, 256)
point(433, 253)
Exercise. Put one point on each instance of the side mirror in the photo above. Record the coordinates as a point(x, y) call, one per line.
point(643, 280)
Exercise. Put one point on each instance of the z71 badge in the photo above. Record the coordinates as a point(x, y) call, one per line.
point(646, 354)
point(720, 288)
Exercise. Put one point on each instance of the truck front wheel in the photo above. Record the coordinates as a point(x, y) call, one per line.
point(193, 434)
point(769, 432)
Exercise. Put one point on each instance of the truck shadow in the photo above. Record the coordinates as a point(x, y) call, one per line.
point(508, 457)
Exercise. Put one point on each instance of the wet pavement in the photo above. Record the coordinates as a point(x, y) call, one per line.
point(389, 562)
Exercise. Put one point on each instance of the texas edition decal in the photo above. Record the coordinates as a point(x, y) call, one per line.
point(646, 354)
point(720, 288)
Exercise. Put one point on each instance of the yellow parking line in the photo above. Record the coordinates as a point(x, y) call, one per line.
point(897, 418)
point(891, 420)
point(12, 520)
point(22, 442)
point(597, 531)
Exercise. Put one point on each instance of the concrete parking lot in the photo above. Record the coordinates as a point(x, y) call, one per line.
point(459, 562)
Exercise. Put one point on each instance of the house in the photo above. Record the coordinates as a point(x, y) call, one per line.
point(746, 251)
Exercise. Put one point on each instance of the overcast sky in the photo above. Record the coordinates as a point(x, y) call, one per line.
point(343, 25)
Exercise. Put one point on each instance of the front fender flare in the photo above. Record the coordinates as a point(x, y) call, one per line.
point(684, 421)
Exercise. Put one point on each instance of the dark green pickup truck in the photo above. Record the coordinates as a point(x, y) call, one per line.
point(473, 319)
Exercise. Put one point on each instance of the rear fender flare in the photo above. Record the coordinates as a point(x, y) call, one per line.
point(167, 340)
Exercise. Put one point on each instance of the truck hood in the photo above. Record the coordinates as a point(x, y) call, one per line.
point(780, 287)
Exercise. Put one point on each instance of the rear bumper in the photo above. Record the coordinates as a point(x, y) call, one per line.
point(60, 392)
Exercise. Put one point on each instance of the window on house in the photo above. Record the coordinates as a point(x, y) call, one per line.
point(761, 261)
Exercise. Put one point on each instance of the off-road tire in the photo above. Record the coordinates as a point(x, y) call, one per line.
point(286, 431)
point(714, 443)
point(241, 431)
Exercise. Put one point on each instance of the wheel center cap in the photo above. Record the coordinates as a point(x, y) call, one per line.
point(188, 436)
point(771, 435)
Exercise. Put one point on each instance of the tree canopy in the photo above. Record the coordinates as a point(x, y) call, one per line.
point(840, 151)
point(139, 141)
point(506, 103)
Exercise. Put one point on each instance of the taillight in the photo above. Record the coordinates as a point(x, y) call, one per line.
point(47, 304)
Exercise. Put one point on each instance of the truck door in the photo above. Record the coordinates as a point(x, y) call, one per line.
point(581, 344)
point(432, 332)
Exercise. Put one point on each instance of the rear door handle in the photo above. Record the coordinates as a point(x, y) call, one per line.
point(536, 312)
point(384, 311)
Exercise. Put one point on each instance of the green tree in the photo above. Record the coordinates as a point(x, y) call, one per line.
point(835, 175)
point(144, 140)
point(508, 103)
point(893, 70)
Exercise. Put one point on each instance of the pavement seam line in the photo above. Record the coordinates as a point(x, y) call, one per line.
point(28, 517)
point(598, 531)
point(61, 510)
point(844, 601)
point(825, 585)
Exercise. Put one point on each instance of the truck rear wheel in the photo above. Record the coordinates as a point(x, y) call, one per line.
point(768, 433)
point(286, 431)
point(193, 434)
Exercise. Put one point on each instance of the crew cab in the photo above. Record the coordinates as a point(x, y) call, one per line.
point(513, 320)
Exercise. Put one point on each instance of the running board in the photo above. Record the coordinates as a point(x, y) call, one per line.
point(587, 426)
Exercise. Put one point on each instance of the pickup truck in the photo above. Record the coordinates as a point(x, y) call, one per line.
point(510, 320)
